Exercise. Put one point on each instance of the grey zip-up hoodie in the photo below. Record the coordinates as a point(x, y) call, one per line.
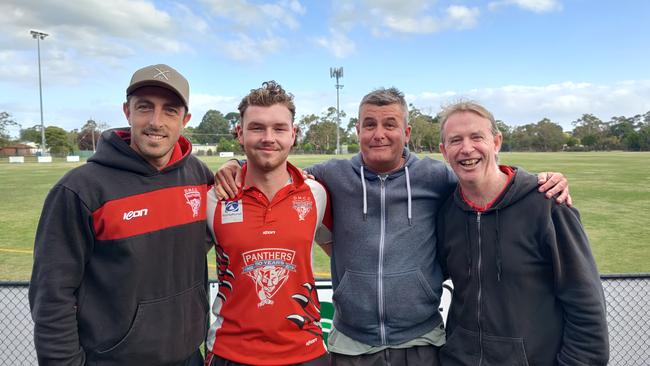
point(386, 278)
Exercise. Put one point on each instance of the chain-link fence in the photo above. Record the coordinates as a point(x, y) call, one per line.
point(16, 326)
point(628, 319)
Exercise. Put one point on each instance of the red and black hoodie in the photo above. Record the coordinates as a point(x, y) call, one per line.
point(120, 271)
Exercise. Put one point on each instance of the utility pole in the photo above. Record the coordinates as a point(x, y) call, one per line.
point(40, 36)
point(337, 72)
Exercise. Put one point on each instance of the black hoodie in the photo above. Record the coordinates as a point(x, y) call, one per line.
point(120, 271)
point(526, 287)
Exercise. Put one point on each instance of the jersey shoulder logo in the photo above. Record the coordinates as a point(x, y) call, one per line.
point(302, 205)
point(232, 211)
point(193, 199)
point(269, 269)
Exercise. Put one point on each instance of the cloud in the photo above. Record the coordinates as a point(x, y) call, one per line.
point(384, 18)
point(253, 50)
point(563, 103)
point(87, 33)
point(247, 16)
point(12, 67)
point(250, 31)
point(337, 43)
point(462, 17)
point(537, 6)
point(72, 21)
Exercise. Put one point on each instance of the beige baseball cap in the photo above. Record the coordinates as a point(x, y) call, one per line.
point(162, 76)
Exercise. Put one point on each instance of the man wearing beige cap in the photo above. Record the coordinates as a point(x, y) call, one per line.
point(119, 273)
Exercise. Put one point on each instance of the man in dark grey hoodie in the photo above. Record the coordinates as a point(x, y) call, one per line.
point(526, 287)
point(386, 279)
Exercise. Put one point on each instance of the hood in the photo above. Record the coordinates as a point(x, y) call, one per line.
point(366, 174)
point(113, 150)
point(520, 185)
point(358, 165)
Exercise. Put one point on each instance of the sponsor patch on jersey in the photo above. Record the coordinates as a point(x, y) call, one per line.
point(232, 211)
point(302, 205)
point(269, 269)
point(193, 199)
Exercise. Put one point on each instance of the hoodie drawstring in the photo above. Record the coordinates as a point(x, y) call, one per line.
point(468, 253)
point(498, 247)
point(409, 213)
point(365, 199)
point(408, 192)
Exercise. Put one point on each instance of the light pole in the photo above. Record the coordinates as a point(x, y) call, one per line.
point(40, 36)
point(337, 72)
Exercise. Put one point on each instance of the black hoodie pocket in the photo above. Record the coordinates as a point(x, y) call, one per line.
point(164, 331)
point(462, 348)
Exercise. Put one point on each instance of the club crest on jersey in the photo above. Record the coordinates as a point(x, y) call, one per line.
point(302, 205)
point(232, 211)
point(193, 198)
point(269, 269)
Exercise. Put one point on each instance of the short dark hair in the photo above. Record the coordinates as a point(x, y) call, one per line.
point(269, 94)
point(382, 96)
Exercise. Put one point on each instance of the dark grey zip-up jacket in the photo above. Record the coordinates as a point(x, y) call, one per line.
point(387, 281)
point(526, 287)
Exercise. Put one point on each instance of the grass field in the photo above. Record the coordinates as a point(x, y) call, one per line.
point(611, 190)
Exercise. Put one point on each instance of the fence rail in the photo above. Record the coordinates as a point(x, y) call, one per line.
point(628, 319)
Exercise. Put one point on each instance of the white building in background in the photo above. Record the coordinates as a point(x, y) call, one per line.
point(204, 149)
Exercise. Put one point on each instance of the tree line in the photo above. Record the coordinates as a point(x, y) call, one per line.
point(317, 133)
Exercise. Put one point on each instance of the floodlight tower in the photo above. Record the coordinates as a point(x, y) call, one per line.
point(38, 36)
point(337, 73)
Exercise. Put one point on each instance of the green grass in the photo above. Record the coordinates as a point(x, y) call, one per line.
point(611, 190)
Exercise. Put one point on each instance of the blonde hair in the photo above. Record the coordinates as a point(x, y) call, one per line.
point(466, 106)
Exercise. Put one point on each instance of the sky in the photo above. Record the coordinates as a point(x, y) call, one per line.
point(525, 60)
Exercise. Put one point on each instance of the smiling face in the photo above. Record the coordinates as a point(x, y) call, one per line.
point(267, 135)
point(382, 135)
point(471, 148)
point(157, 117)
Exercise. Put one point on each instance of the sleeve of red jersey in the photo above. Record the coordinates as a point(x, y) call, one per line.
point(211, 208)
point(323, 233)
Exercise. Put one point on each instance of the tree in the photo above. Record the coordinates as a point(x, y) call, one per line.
point(320, 132)
point(233, 119)
point(89, 135)
point(351, 130)
point(57, 140)
point(425, 131)
point(549, 136)
point(506, 132)
point(212, 127)
point(32, 134)
point(226, 144)
point(590, 130)
point(304, 124)
point(544, 135)
point(5, 123)
point(189, 133)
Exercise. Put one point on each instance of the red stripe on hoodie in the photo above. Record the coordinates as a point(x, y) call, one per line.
point(151, 211)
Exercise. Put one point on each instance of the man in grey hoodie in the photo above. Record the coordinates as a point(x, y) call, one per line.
point(386, 279)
